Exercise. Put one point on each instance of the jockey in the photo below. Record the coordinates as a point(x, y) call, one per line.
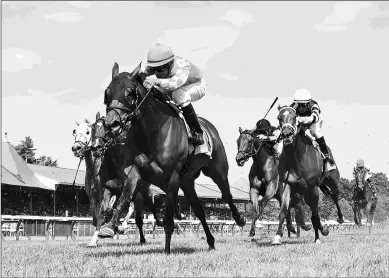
point(180, 77)
point(362, 166)
point(308, 112)
point(267, 132)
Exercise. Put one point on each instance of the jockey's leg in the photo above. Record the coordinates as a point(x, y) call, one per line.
point(184, 96)
point(315, 129)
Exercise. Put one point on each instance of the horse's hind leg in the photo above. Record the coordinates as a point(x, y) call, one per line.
point(218, 173)
point(138, 204)
point(333, 184)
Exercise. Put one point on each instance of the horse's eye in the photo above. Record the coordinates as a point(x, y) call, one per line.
point(87, 133)
point(74, 132)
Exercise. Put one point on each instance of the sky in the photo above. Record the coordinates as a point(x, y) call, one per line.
point(57, 59)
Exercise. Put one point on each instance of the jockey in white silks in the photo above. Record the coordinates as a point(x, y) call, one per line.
point(180, 77)
point(308, 112)
point(362, 166)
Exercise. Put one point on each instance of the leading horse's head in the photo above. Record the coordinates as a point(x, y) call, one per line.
point(122, 99)
point(288, 123)
point(246, 146)
point(82, 138)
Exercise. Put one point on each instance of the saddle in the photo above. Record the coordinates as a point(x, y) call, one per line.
point(165, 98)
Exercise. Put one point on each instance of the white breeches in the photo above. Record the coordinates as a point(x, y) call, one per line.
point(184, 95)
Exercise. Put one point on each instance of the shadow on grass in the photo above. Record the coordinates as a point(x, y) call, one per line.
point(149, 251)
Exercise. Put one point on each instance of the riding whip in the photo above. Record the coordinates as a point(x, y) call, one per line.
point(274, 102)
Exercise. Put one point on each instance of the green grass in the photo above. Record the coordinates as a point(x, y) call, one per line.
point(354, 253)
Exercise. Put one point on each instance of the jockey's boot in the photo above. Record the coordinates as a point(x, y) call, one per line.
point(324, 150)
point(193, 122)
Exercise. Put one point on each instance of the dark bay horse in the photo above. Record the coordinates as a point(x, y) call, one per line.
point(364, 199)
point(161, 135)
point(115, 156)
point(264, 179)
point(302, 170)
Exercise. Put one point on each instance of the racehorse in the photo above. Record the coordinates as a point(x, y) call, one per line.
point(302, 170)
point(162, 136)
point(265, 167)
point(96, 179)
point(364, 199)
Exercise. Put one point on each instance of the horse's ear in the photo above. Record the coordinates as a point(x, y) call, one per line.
point(97, 115)
point(240, 130)
point(279, 107)
point(77, 122)
point(115, 70)
point(86, 120)
point(135, 72)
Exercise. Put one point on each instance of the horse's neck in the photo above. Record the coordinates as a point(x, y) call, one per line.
point(88, 161)
point(261, 156)
point(302, 147)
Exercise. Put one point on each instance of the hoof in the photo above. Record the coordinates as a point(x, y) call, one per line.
point(325, 231)
point(211, 248)
point(340, 220)
point(251, 234)
point(306, 227)
point(106, 233)
point(253, 239)
point(121, 230)
point(292, 230)
point(241, 222)
point(276, 240)
point(143, 242)
point(317, 241)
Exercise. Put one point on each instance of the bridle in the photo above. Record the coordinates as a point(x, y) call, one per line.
point(84, 146)
point(130, 112)
point(294, 128)
point(251, 150)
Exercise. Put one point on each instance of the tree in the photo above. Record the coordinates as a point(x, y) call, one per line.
point(26, 150)
point(47, 161)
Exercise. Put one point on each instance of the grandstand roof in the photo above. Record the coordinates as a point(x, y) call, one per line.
point(62, 175)
point(14, 170)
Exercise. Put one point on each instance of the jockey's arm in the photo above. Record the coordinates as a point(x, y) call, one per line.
point(368, 173)
point(315, 112)
point(176, 81)
point(276, 133)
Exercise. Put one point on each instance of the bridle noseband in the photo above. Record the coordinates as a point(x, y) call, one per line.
point(252, 150)
point(293, 127)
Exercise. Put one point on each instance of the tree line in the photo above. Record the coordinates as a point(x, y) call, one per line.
point(26, 150)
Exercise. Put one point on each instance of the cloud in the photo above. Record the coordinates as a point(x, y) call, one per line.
point(16, 59)
point(199, 44)
point(64, 17)
point(80, 4)
point(343, 13)
point(237, 17)
point(229, 76)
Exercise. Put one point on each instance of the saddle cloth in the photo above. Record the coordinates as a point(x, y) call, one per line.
point(327, 165)
point(205, 148)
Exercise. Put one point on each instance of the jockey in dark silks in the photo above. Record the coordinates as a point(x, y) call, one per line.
point(308, 112)
point(179, 77)
point(265, 131)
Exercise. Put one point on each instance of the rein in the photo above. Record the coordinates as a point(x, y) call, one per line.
point(252, 150)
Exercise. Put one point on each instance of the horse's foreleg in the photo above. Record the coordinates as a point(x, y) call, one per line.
point(170, 201)
point(130, 184)
point(299, 211)
point(138, 204)
point(285, 199)
point(313, 202)
point(254, 194)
